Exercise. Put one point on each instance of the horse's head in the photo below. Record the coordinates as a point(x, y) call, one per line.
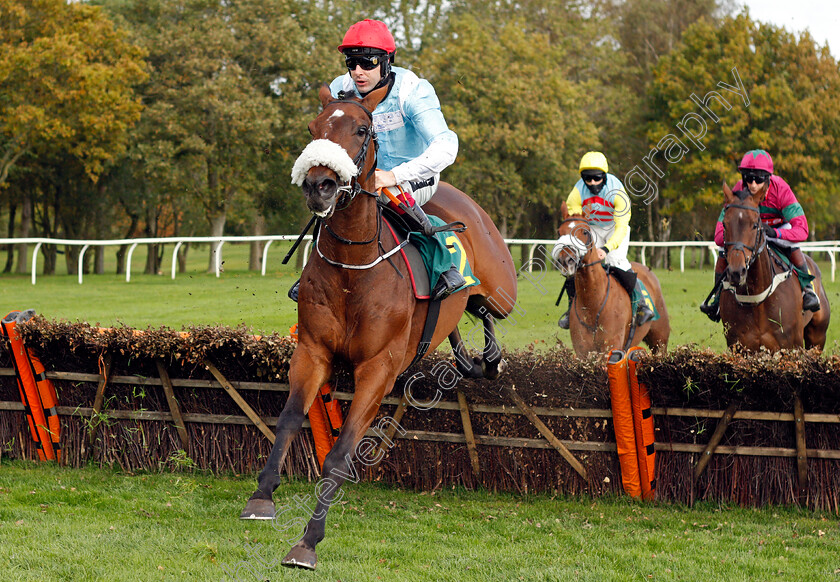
point(743, 239)
point(340, 160)
point(574, 244)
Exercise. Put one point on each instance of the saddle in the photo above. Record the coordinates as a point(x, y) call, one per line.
point(423, 255)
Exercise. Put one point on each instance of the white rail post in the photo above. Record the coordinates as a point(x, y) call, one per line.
point(531, 252)
point(218, 257)
point(175, 257)
point(35, 261)
point(82, 261)
point(265, 255)
point(128, 262)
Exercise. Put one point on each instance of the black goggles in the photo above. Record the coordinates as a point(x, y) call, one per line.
point(368, 63)
point(757, 178)
point(594, 178)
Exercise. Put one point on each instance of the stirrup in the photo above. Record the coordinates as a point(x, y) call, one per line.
point(563, 322)
point(447, 284)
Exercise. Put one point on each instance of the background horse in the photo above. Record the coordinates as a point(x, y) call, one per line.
point(357, 307)
point(765, 307)
point(601, 315)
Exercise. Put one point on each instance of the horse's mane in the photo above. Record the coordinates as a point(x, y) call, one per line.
point(742, 194)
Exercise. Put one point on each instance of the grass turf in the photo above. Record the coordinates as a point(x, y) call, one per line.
point(97, 524)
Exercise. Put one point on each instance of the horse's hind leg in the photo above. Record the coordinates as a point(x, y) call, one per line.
point(467, 366)
point(657, 336)
point(305, 379)
point(816, 330)
point(490, 363)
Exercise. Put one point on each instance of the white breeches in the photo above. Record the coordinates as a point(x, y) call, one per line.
point(618, 257)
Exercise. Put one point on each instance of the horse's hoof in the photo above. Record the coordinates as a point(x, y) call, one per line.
point(492, 372)
point(258, 509)
point(300, 557)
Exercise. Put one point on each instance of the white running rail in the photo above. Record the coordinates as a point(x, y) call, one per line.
point(544, 245)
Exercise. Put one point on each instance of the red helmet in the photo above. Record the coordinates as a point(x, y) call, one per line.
point(757, 160)
point(369, 34)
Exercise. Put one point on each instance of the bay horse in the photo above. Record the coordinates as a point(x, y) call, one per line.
point(761, 303)
point(356, 305)
point(601, 317)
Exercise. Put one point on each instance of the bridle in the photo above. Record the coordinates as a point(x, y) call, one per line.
point(352, 187)
point(348, 192)
point(579, 264)
point(760, 241)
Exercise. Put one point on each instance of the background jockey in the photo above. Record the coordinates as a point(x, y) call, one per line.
point(782, 218)
point(415, 143)
point(601, 198)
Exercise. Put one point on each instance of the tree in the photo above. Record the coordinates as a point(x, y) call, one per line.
point(232, 87)
point(66, 78)
point(518, 117)
point(787, 105)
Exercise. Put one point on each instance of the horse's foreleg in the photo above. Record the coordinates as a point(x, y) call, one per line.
point(372, 380)
point(305, 378)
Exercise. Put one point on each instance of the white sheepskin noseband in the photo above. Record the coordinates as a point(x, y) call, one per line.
point(323, 152)
point(571, 242)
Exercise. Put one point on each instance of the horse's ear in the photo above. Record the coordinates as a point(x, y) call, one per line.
point(374, 98)
point(325, 95)
point(728, 196)
point(564, 210)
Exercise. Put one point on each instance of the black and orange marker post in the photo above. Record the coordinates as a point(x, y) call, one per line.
point(642, 425)
point(37, 392)
point(625, 437)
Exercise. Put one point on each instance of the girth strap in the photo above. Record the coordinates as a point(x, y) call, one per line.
point(428, 332)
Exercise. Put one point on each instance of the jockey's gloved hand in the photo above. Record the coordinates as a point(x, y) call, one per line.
point(769, 231)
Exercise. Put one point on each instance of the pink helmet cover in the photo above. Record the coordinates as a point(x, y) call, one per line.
point(757, 160)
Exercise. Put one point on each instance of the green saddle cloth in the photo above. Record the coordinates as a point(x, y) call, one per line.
point(804, 276)
point(645, 296)
point(441, 252)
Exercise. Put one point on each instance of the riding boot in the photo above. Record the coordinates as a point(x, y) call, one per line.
point(643, 311)
point(293, 292)
point(451, 280)
point(448, 283)
point(417, 215)
point(712, 309)
point(569, 287)
point(810, 301)
point(630, 281)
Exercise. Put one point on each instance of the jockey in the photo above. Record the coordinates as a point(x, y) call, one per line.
point(601, 198)
point(415, 143)
point(782, 218)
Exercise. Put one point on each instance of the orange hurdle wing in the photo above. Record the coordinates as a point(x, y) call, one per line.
point(625, 439)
